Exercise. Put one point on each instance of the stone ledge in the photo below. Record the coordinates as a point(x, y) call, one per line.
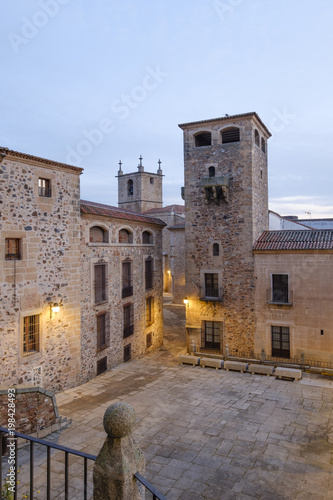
point(236, 366)
point(189, 360)
point(211, 362)
point(261, 369)
point(282, 372)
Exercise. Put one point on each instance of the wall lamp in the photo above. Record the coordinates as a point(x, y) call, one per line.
point(55, 307)
point(186, 302)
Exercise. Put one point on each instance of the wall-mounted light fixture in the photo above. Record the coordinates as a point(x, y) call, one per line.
point(186, 302)
point(55, 307)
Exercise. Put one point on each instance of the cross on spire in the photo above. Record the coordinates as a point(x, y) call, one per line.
point(120, 164)
point(140, 165)
point(159, 163)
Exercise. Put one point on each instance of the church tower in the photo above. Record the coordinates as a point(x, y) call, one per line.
point(140, 191)
point(226, 209)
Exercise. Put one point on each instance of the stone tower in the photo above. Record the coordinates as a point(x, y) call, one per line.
point(140, 191)
point(226, 208)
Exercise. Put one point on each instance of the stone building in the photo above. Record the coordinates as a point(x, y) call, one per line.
point(121, 286)
point(294, 315)
point(40, 270)
point(226, 209)
point(81, 283)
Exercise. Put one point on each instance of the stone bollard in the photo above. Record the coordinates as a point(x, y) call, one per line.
point(262, 356)
point(226, 351)
point(193, 347)
point(119, 458)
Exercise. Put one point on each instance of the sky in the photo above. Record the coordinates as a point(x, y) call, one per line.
point(91, 83)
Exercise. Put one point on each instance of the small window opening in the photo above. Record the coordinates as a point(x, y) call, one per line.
point(203, 139)
point(127, 353)
point(152, 180)
point(263, 145)
point(98, 235)
point(44, 187)
point(147, 238)
point(216, 249)
point(130, 187)
point(211, 171)
point(149, 340)
point(125, 236)
point(256, 137)
point(321, 332)
point(261, 173)
point(230, 135)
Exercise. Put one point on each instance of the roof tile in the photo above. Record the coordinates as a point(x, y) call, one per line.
point(318, 239)
point(92, 208)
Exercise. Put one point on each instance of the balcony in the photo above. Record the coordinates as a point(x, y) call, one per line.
point(215, 188)
point(211, 294)
point(45, 191)
point(279, 297)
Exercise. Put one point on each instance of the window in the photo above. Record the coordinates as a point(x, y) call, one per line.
point(256, 137)
point(151, 180)
point(100, 283)
point(127, 287)
point(149, 340)
point(263, 145)
point(211, 335)
point(149, 311)
point(130, 187)
point(127, 353)
point(102, 331)
point(203, 139)
point(125, 236)
point(280, 289)
point(211, 171)
point(31, 334)
point(211, 285)
point(44, 187)
point(102, 365)
point(149, 272)
point(13, 249)
point(280, 341)
point(147, 238)
point(128, 320)
point(216, 249)
point(98, 235)
point(230, 135)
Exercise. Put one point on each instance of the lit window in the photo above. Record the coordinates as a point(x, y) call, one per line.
point(44, 187)
point(149, 340)
point(149, 311)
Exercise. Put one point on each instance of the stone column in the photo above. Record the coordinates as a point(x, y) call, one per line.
point(119, 458)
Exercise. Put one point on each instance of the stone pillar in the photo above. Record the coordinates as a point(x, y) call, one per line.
point(119, 458)
point(262, 356)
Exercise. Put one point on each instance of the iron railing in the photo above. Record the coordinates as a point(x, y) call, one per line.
point(156, 495)
point(211, 294)
point(44, 191)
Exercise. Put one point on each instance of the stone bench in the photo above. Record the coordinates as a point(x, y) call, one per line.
point(189, 360)
point(213, 363)
point(236, 366)
point(261, 369)
point(284, 372)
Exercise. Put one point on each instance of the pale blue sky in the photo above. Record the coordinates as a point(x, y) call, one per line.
point(135, 69)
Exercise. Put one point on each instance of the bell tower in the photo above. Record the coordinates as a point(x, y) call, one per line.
point(140, 191)
point(226, 209)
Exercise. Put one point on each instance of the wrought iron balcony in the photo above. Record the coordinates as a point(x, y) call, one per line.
point(211, 294)
point(279, 297)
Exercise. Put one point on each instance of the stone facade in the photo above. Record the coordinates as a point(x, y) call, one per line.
point(226, 208)
point(50, 257)
point(307, 318)
point(147, 332)
point(40, 214)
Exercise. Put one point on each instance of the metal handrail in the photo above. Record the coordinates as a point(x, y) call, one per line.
point(156, 494)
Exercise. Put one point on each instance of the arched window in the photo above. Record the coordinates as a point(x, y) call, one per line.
point(230, 134)
point(216, 249)
point(98, 234)
point(203, 139)
point(211, 171)
point(125, 236)
point(256, 137)
point(130, 187)
point(263, 145)
point(147, 238)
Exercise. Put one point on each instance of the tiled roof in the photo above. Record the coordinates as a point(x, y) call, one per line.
point(178, 209)
point(227, 117)
point(92, 208)
point(318, 239)
point(16, 154)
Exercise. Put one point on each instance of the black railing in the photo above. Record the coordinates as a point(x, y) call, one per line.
point(46, 192)
point(13, 256)
point(275, 297)
point(49, 445)
point(67, 451)
point(211, 294)
point(127, 291)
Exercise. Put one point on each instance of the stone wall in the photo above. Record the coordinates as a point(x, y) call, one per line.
point(35, 410)
point(309, 315)
point(147, 191)
point(48, 271)
point(233, 223)
point(177, 263)
point(113, 254)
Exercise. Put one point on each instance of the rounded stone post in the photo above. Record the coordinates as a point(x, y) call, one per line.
point(119, 458)
point(262, 356)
